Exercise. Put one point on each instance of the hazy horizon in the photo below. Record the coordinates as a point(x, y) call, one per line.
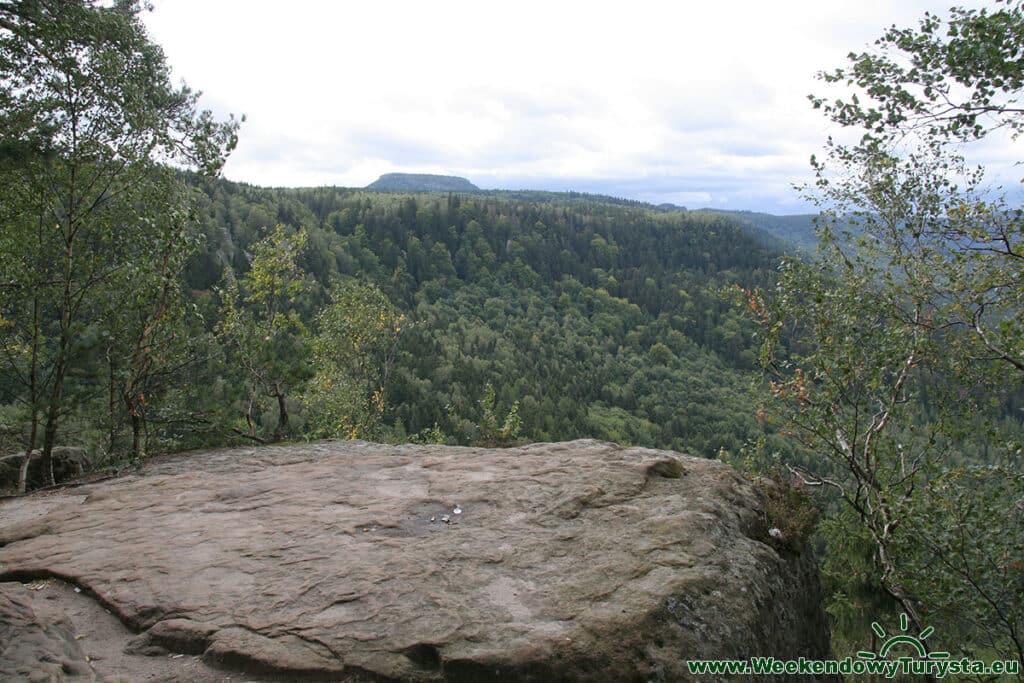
point(695, 105)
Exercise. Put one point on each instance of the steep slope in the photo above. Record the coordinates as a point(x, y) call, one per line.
point(796, 231)
point(599, 319)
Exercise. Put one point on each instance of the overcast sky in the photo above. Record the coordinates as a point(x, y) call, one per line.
point(701, 104)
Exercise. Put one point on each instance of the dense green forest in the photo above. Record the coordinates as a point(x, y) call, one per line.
point(595, 317)
point(599, 320)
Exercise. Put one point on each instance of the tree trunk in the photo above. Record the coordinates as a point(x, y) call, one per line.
point(64, 345)
point(112, 402)
point(23, 472)
point(30, 445)
point(33, 395)
point(137, 424)
point(60, 368)
point(282, 414)
point(49, 436)
point(52, 417)
point(248, 414)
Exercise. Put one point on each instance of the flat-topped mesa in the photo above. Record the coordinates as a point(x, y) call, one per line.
point(421, 182)
point(549, 562)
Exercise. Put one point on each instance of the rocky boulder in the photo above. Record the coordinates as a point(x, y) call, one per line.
point(355, 561)
point(68, 462)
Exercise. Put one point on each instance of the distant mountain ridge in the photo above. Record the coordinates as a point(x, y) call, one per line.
point(421, 182)
point(782, 233)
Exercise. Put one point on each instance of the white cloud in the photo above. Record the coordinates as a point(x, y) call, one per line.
point(701, 102)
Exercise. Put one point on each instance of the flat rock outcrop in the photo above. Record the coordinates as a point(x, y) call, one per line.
point(356, 561)
point(421, 182)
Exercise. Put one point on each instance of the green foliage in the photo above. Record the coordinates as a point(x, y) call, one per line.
point(88, 120)
point(146, 340)
point(262, 327)
point(431, 436)
point(850, 577)
point(778, 232)
point(354, 349)
point(923, 94)
point(489, 432)
point(905, 334)
point(517, 290)
point(576, 334)
point(952, 78)
point(962, 554)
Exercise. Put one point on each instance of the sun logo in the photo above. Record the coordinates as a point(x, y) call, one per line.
point(916, 642)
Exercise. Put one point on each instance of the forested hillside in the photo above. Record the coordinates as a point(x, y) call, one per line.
point(597, 319)
point(792, 231)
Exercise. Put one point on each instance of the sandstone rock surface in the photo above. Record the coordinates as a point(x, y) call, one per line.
point(333, 561)
point(38, 641)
